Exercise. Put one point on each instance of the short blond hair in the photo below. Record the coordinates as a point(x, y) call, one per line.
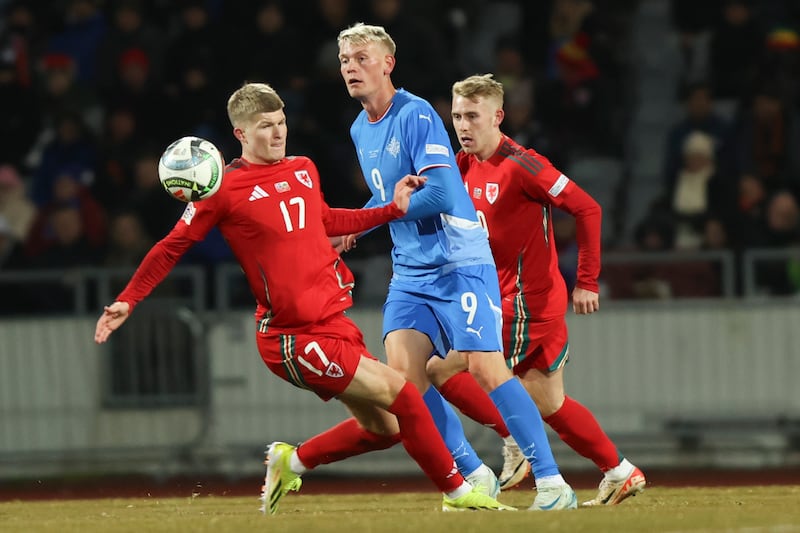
point(360, 33)
point(480, 86)
point(251, 99)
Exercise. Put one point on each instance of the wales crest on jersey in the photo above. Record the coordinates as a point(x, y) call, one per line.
point(303, 177)
point(492, 191)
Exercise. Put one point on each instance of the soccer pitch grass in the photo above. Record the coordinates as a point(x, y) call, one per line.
point(751, 509)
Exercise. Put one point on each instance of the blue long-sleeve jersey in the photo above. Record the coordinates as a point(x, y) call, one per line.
point(441, 231)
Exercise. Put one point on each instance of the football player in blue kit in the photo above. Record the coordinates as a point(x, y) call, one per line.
point(444, 292)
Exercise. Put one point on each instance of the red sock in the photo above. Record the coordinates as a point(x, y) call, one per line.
point(343, 440)
point(577, 426)
point(422, 440)
point(464, 392)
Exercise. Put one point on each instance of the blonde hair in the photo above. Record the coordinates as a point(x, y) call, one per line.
point(480, 86)
point(360, 33)
point(251, 99)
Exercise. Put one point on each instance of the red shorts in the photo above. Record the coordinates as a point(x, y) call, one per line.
point(541, 344)
point(322, 359)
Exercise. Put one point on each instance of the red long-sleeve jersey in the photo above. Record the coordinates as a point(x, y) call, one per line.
point(513, 192)
point(277, 223)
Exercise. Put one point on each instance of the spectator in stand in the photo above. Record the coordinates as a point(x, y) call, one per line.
point(656, 232)
point(571, 101)
point(129, 29)
point(136, 89)
point(84, 27)
point(735, 50)
point(657, 280)
point(69, 249)
point(194, 34)
point(73, 151)
point(16, 208)
point(193, 105)
point(128, 241)
point(119, 150)
point(783, 220)
point(68, 189)
point(287, 63)
point(63, 93)
point(766, 137)
point(781, 230)
point(748, 219)
point(696, 191)
point(715, 235)
point(699, 115)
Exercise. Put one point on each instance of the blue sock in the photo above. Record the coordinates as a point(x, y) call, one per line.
point(525, 424)
point(449, 425)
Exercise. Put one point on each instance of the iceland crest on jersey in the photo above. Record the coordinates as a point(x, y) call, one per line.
point(393, 147)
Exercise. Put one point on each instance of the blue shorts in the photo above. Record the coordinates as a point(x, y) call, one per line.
point(459, 310)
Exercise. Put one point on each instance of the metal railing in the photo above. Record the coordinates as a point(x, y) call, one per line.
point(90, 288)
point(751, 259)
point(725, 260)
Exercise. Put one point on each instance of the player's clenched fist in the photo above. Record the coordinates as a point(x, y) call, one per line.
point(585, 302)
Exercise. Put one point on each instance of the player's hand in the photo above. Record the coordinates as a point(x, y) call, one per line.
point(585, 302)
point(343, 243)
point(404, 188)
point(113, 316)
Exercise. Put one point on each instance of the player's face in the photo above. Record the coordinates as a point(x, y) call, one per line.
point(477, 125)
point(363, 68)
point(264, 138)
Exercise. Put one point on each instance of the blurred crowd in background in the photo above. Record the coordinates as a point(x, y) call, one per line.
point(91, 91)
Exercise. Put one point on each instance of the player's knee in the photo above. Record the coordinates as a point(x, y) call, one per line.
point(489, 369)
point(437, 372)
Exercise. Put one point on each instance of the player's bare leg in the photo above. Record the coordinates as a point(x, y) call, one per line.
point(408, 351)
point(577, 427)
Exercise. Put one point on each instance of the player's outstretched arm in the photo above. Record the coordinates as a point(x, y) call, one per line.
point(112, 318)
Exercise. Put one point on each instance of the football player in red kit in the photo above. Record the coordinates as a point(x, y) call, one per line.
point(514, 190)
point(271, 211)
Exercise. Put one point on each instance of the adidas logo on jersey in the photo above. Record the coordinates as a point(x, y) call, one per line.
point(258, 193)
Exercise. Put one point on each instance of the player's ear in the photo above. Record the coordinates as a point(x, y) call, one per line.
point(239, 134)
point(499, 115)
point(389, 63)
